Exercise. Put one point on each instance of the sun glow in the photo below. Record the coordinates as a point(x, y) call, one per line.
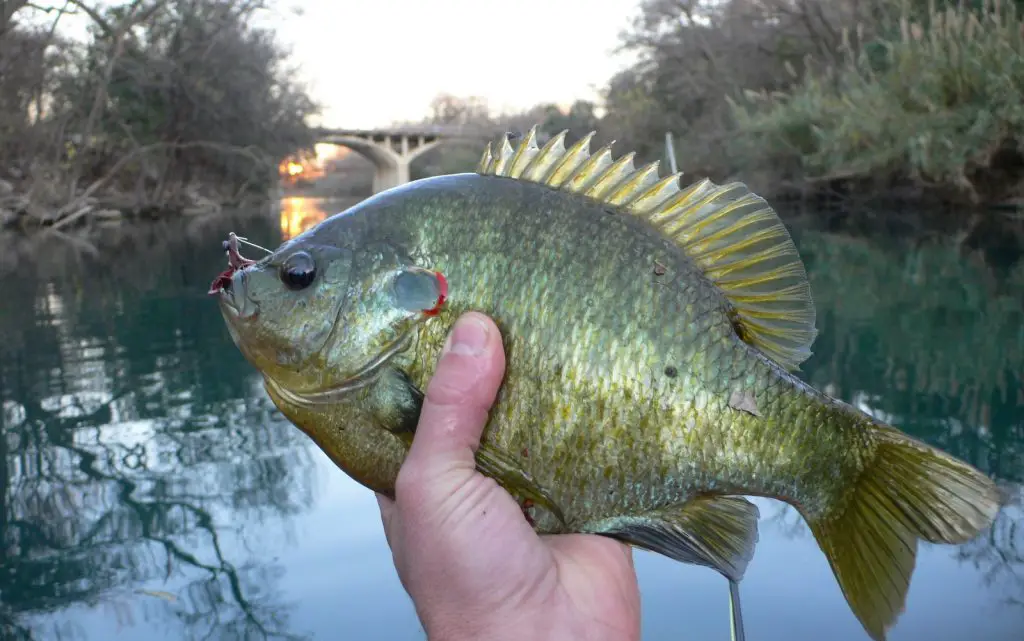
point(299, 214)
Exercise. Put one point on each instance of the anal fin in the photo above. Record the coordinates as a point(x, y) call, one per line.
point(719, 532)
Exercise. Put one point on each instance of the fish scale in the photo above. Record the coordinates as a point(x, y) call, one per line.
point(651, 335)
point(606, 376)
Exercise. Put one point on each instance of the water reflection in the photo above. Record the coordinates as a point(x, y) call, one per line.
point(149, 487)
point(299, 213)
point(924, 338)
point(932, 341)
point(998, 555)
point(137, 449)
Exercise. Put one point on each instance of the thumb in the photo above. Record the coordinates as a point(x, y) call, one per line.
point(456, 406)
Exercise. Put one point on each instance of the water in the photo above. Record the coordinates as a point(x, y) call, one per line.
point(151, 491)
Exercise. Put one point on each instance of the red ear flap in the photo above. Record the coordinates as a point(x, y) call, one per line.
point(420, 290)
point(441, 296)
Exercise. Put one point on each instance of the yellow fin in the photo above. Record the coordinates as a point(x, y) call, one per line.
point(910, 491)
point(732, 234)
point(719, 532)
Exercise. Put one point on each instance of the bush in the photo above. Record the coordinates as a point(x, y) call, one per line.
point(938, 104)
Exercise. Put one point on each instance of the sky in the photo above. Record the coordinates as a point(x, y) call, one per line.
point(374, 62)
point(370, 63)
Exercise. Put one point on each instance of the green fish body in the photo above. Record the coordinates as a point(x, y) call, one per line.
point(651, 336)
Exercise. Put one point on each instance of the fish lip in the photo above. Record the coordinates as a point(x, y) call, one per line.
point(227, 301)
point(363, 378)
point(235, 299)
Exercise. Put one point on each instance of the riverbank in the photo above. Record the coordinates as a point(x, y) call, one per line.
point(912, 102)
point(37, 206)
point(143, 114)
point(30, 204)
point(31, 207)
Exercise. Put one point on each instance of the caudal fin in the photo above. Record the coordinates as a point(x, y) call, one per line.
point(910, 491)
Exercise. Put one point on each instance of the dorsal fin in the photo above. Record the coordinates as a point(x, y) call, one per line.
point(732, 234)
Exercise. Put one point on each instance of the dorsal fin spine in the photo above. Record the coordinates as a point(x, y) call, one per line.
point(656, 195)
point(503, 158)
point(731, 234)
point(574, 157)
point(486, 160)
point(539, 169)
point(524, 154)
point(679, 203)
point(633, 184)
point(618, 169)
point(590, 171)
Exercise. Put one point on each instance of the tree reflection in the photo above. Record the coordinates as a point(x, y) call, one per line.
point(925, 338)
point(138, 450)
point(933, 342)
point(999, 553)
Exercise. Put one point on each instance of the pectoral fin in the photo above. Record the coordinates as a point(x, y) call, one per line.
point(719, 532)
point(490, 460)
point(501, 467)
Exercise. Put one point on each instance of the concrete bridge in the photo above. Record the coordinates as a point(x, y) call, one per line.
point(392, 150)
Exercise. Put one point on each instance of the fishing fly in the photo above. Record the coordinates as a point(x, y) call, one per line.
point(235, 261)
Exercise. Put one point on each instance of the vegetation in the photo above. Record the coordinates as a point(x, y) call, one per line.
point(184, 105)
point(938, 107)
point(167, 105)
point(446, 109)
point(861, 97)
point(864, 98)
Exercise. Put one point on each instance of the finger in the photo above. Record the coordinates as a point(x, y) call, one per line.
point(459, 397)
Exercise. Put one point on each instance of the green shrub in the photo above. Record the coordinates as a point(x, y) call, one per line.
point(938, 102)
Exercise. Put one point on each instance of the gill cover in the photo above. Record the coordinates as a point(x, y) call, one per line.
point(420, 290)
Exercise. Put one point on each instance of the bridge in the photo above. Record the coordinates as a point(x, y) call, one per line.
point(392, 150)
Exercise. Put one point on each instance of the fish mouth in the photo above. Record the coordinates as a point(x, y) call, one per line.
point(226, 295)
point(233, 297)
point(230, 285)
point(363, 378)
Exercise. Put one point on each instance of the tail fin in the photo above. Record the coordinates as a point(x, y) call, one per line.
point(910, 491)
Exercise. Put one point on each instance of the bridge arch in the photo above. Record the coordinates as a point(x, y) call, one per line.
point(393, 151)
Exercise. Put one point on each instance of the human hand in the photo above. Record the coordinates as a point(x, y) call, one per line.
point(474, 567)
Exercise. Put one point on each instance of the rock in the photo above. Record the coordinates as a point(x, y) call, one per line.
point(7, 218)
point(6, 188)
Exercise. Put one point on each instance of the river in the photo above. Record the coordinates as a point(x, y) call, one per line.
point(151, 491)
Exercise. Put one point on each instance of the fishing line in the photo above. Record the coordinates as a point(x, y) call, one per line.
point(735, 615)
point(247, 242)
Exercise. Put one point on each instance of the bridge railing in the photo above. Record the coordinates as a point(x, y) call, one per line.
point(445, 131)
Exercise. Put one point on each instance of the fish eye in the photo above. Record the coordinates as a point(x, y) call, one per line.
point(298, 271)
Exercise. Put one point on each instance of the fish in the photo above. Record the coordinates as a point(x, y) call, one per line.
point(653, 334)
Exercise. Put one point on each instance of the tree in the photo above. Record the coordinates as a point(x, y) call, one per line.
point(164, 99)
